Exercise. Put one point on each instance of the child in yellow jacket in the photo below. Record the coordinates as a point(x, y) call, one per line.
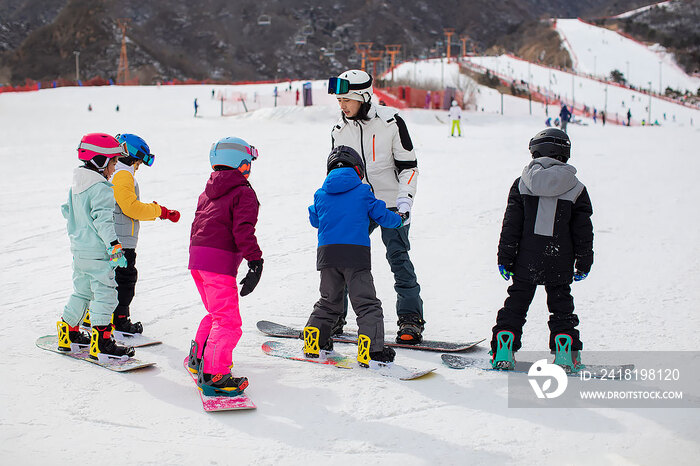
point(129, 210)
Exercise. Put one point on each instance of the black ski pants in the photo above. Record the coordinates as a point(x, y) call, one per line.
point(561, 318)
point(126, 284)
point(363, 297)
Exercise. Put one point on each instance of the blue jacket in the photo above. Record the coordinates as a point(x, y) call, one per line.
point(342, 211)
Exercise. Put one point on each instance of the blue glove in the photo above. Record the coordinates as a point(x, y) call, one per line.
point(578, 275)
point(504, 273)
point(116, 256)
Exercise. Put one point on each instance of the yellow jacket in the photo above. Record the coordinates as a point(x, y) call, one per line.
point(129, 209)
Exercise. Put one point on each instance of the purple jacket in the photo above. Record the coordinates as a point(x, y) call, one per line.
point(223, 230)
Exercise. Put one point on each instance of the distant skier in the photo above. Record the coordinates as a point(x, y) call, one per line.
point(223, 234)
point(342, 211)
point(546, 239)
point(455, 115)
point(595, 115)
point(196, 106)
point(629, 116)
point(96, 250)
point(548, 122)
point(129, 210)
point(602, 117)
point(564, 117)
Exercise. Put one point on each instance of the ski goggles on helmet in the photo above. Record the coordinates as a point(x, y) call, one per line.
point(343, 86)
point(252, 151)
point(119, 150)
point(141, 153)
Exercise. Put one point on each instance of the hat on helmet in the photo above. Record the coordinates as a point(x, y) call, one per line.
point(97, 148)
point(233, 153)
point(138, 149)
point(352, 84)
point(551, 142)
point(344, 156)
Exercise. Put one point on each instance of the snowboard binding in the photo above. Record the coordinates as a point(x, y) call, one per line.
point(71, 339)
point(569, 360)
point(503, 359)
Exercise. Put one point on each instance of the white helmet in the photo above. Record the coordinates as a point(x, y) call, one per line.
point(352, 84)
point(454, 103)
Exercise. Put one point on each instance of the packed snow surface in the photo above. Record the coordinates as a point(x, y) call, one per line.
point(642, 293)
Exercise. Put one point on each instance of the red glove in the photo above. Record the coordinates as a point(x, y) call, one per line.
point(172, 215)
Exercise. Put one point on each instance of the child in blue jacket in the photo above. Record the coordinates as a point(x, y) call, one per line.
point(342, 211)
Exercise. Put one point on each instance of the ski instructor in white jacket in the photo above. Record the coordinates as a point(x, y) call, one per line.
point(380, 136)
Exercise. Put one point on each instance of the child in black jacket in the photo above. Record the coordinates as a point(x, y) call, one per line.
point(546, 239)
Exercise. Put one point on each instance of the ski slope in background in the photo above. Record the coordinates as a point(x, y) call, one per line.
point(642, 292)
point(598, 51)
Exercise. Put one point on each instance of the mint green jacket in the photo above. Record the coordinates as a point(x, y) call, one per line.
point(90, 215)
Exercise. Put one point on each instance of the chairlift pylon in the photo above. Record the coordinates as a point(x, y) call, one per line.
point(264, 20)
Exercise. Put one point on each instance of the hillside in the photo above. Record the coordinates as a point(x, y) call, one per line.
point(223, 40)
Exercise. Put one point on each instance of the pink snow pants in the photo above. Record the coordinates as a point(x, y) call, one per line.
point(221, 327)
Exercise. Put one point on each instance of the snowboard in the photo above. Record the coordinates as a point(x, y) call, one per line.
point(136, 340)
point(282, 331)
point(50, 343)
point(596, 371)
point(294, 352)
point(221, 403)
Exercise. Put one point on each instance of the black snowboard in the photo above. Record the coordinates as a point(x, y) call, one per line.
point(282, 331)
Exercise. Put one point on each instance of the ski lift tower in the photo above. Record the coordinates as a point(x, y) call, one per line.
point(123, 68)
point(393, 50)
point(374, 58)
point(449, 32)
point(464, 38)
point(363, 49)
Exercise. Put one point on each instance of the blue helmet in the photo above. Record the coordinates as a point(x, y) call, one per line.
point(138, 149)
point(233, 153)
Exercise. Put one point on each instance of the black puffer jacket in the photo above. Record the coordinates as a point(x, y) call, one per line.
point(547, 226)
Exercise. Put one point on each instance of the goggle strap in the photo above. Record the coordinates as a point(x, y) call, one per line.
point(121, 149)
point(252, 151)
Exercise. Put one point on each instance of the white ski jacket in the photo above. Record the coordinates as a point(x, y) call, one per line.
point(385, 146)
point(455, 113)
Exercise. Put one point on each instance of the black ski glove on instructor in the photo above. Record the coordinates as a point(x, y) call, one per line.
point(250, 281)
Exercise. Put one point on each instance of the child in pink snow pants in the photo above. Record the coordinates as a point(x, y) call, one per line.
point(223, 234)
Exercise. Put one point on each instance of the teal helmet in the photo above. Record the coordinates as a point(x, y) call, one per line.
point(233, 153)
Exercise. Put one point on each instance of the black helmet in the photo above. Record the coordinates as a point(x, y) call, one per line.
point(551, 142)
point(344, 156)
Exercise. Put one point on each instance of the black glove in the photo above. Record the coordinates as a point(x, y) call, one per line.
point(250, 281)
point(404, 217)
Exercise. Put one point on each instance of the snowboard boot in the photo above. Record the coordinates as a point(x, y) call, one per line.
point(86, 320)
point(503, 359)
point(220, 384)
point(569, 360)
point(364, 356)
point(71, 339)
point(123, 324)
point(193, 362)
point(338, 327)
point(103, 348)
point(312, 347)
point(410, 329)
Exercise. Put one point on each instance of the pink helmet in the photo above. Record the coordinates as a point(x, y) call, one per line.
point(98, 148)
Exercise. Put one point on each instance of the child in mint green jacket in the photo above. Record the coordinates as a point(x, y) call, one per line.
point(96, 250)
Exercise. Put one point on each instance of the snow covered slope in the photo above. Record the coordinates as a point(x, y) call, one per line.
point(642, 293)
point(598, 51)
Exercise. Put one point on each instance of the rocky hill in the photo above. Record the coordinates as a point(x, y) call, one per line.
point(224, 40)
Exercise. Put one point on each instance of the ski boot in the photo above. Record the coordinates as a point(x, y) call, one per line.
point(71, 339)
point(364, 356)
point(503, 358)
point(410, 329)
point(103, 348)
point(193, 362)
point(220, 384)
point(312, 348)
point(123, 324)
point(569, 360)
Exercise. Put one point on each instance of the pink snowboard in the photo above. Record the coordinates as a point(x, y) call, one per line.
point(222, 403)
